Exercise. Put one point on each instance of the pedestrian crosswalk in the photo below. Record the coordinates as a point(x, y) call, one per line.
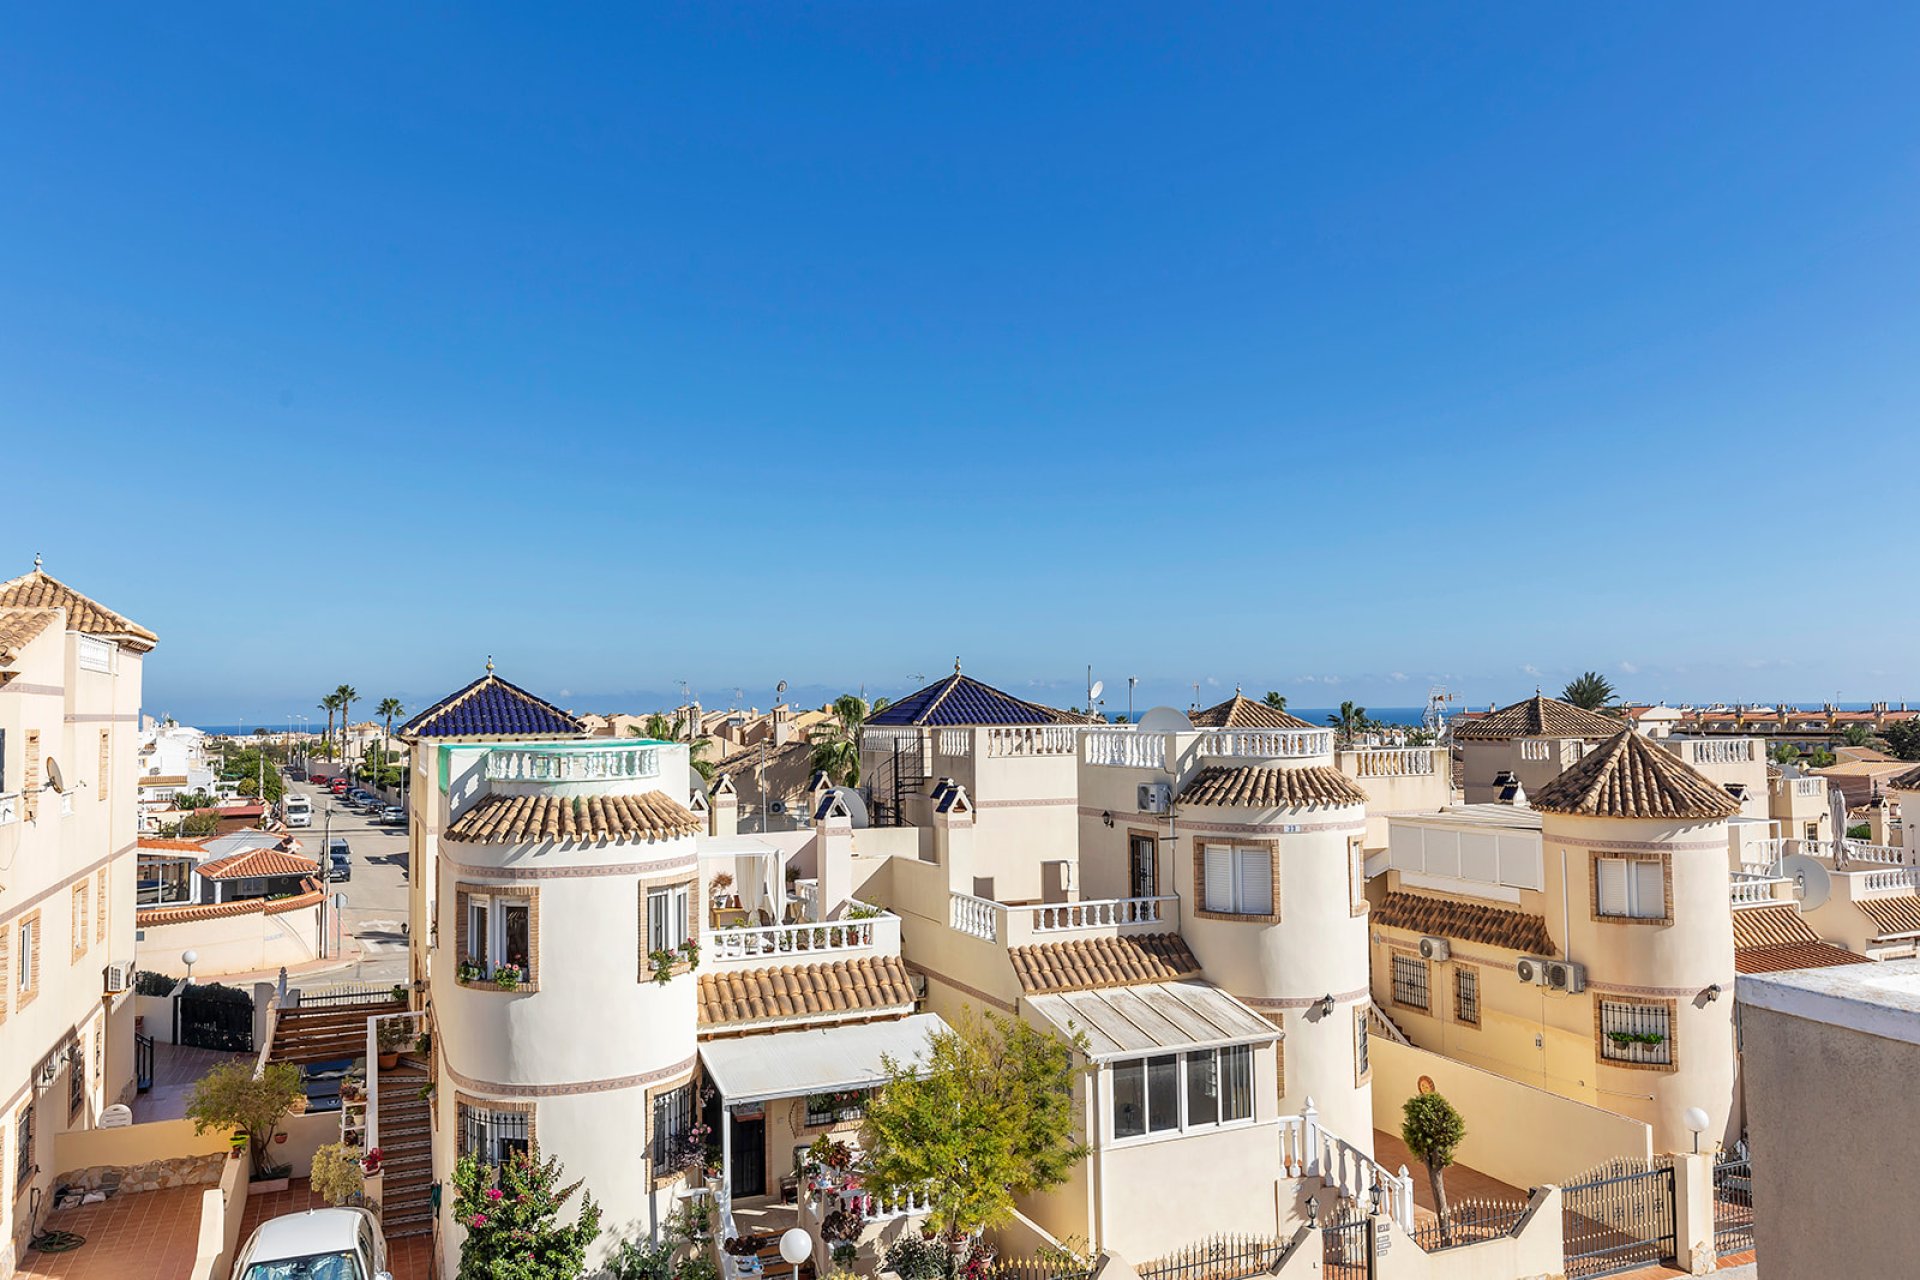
point(380, 936)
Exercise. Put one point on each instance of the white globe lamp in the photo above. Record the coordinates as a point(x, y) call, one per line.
point(188, 958)
point(1697, 1121)
point(796, 1246)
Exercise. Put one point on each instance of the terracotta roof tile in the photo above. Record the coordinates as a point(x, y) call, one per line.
point(532, 819)
point(171, 846)
point(1793, 955)
point(1537, 717)
point(1244, 713)
point(735, 997)
point(1464, 922)
point(1266, 787)
point(1090, 963)
point(256, 862)
point(189, 912)
point(18, 626)
point(38, 590)
point(1770, 926)
point(1630, 777)
point(163, 780)
point(1908, 781)
point(1893, 915)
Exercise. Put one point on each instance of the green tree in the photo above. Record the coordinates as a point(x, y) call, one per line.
point(1349, 722)
point(251, 768)
point(1785, 753)
point(1856, 735)
point(231, 1097)
point(660, 729)
point(836, 744)
point(511, 1213)
point(992, 1118)
point(1821, 759)
point(330, 704)
point(1589, 690)
point(348, 695)
point(1903, 739)
point(1276, 700)
point(390, 710)
point(1433, 1130)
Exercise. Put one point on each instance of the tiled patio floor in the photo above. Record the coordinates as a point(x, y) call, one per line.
point(175, 1070)
point(149, 1233)
point(1463, 1181)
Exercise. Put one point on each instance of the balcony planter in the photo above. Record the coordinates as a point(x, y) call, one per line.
point(507, 977)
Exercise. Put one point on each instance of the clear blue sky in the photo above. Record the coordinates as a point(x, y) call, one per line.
point(1333, 350)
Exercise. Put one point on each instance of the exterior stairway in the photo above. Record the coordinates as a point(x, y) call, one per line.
point(326, 1034)
point(406, 1150)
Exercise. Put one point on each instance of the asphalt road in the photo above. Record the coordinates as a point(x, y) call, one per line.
point(376, 894)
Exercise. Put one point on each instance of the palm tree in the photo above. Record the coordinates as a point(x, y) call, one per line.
point(330, 704)
point(1857, 735)
point(348, 695)
point(1433, 1130)
point(660, 729)
point(1349, 722)
point(1276, 700)
point(1591, 691)
point(836, 744)
point(387, 710)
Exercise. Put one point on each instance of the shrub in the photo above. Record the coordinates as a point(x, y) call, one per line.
point(231, 1097)
point(148, 983)
point(337, 1175)
point(511, 1213)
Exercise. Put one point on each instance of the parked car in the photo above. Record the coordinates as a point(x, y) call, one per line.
point(320, 1244)
point(339, 861)
point(298, 809)
point(296, 774)
point(393, 815)
point(357, 798)
point(339, 786)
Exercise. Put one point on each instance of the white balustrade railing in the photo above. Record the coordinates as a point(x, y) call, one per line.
point(1308, 1150)
point(1754, 890)
point(1814, 787)
point(1722, 751)
point(975, 917)
point(1535, 749)
point(954, 742)
point(1394, 762)
point(1102, 913)
point(1033, 740)
point(1267, 744)
point(1126, 749)
point(800, 939)
point(1884, 854)
point(1894, 881)
point(876, 1207)
point(515, 764)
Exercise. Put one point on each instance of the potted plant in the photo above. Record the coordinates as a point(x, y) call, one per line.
point(337, 1173)
point(394, 1037)
point(662, 962)
point(507, 977)
point(690, 952)
point(370, 1162)
point(232, 1097)
point(468, 971)
point(721, 883)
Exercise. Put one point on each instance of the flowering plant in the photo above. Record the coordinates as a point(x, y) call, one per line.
point(507, 977)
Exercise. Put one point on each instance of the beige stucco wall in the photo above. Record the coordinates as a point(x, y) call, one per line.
point(226, 945)
point(1834, 1180)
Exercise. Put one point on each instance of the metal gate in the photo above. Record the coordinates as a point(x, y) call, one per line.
point(1343, 1247)
point(1618, 1217)
point(1733, 1201)
point(214, 1018)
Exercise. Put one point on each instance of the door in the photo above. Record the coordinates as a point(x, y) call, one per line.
point(1143, 867)
point(749, 1157)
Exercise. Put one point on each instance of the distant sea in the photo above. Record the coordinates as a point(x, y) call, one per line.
point(1318, 715)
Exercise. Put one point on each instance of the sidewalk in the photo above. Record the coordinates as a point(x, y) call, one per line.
point(350, 954)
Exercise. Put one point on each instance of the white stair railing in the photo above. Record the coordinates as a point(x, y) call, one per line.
point(1309, 1151)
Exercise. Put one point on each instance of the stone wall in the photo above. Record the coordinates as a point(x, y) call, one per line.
point(154, 1175)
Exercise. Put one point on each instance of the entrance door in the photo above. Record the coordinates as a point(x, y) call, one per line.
point(1143, 866)
point(749, 1157)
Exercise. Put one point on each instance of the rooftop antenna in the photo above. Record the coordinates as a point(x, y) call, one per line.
point(1132, 683)
point(1196, 695)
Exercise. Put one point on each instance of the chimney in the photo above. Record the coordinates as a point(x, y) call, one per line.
point(953, 838)
point(833, 851)
point(723, 811)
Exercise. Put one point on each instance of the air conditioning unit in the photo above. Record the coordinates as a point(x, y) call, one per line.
point(1156, 797)
point(1565, 975)
point(117, 978)
point(1434, 949)
point(1532, 969)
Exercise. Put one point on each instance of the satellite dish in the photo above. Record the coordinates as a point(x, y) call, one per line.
point(1164, 720)
point(1098, 687)
point(1813, 880)
point(856, 807)
point(55, 776)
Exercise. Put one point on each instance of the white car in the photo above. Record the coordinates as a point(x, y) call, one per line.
point(320, 1244)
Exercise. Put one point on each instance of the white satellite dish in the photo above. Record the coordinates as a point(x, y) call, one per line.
point(1097, 688)
point(1813, 880)
point(856, 807)
point(1164, 720)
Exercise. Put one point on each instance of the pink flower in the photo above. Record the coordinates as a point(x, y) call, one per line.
point(479, 1219)
point(493, 1193)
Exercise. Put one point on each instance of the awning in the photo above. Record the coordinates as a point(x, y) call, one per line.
point(792, 1064)
point(1121, 1022)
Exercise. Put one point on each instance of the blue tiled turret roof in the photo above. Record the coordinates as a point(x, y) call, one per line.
point(962, 700)
point(491, 708)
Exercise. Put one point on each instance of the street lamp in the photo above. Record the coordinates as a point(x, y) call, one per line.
point(796, 1246)
point(1697, 1121)
point(189, 957)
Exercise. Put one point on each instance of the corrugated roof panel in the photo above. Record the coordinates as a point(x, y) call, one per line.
point(1124, 1021)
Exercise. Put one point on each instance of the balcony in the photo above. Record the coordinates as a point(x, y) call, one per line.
point(1698, 752)
point(571, 763)
point(1266, 744)
point(1126, 749)
point(1391, 762)
point(1015, 926)
point(1752, 890)
point(739, 948)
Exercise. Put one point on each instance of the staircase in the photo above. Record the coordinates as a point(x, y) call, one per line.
point(899, 777)
point(406, 1150)
point(326, 1034)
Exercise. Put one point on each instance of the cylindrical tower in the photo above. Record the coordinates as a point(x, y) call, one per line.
point(1274, 907)
point(1635, 845)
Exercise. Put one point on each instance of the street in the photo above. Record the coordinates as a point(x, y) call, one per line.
point(376, 895)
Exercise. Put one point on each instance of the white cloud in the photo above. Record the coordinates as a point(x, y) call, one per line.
point(1396, 675)
point(1630, 668)
point(1530, 669)
point(1213, 682)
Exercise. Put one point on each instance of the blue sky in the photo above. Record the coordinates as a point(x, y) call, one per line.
point(1342, 351)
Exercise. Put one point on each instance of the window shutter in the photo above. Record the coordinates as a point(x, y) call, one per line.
point(1612, 878)
point(1256, 882)
point(1649, 890)
point(1219, 887)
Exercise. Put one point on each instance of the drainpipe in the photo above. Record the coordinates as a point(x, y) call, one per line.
point(1099, 1234)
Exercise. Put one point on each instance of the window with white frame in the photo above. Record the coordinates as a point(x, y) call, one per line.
point(493, 1136)
point(1356, 874)
point(1362, 1065)
point(1630, 888)
point(672, 1128)
point(1632, 1032)
point(28, 953)
point(500, 933)
point(667, 917)
point(1239, 880)
point(1410, 981)
point(1180, 1092)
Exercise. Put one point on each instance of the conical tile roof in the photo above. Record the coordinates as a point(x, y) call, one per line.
point(490, 708)
point(1629, 777)
point(41, 590)
point(1538, 717)
point(962, 700)
point(1244, 713)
